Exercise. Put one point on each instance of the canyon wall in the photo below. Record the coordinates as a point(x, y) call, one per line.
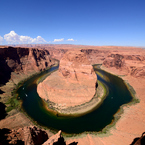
point(18, 63)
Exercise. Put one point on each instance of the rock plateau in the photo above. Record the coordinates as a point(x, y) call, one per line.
point(73, 84)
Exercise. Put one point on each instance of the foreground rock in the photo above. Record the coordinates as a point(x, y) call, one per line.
point(31, 135)
point(54, 139)
point(73, 84)
point(27, 135)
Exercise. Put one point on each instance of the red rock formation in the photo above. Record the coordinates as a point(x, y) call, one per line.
point(22, 61)
point(138, 72)
point(54, 139)
point(73, 84)
point(131, 64)
point(28, 135)
point(31, 135)
point(114, 60)
point(75, 67)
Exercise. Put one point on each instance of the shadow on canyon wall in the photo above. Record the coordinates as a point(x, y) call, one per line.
point(19, 60)
point(37, 137)
point(61, 141)
point(3, 113)
point(1, 92)
point(139, 140)
point(73, 143)
point(5, 72)
point(3, 137)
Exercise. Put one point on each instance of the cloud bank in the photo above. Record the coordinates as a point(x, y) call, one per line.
point(62, 39)
point(58, 40)
point(12, 38)
point(70, 39)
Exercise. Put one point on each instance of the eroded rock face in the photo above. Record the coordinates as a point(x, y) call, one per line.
point(28, 135)
point(31, 135)
point(133, 65)
point(55, 139)
point(22, 61)
point(73, 84)
point(75, 67)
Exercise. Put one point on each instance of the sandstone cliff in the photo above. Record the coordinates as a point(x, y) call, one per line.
point(22, 60)
point(129, 64)
point(73, 84)
point(18, 63)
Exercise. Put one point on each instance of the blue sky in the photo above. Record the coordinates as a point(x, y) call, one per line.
point(87, 22)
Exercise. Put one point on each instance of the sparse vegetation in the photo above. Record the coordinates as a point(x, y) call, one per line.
point(13, 102)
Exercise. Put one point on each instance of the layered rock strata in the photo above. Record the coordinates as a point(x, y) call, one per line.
point(22, 61)
point(17, 64)
point(73, 84)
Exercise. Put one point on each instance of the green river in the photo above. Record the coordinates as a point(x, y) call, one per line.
point(94, 121)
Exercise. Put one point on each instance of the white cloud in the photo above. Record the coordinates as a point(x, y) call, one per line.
point(26, 39)
point(39, 39)
point(1, 39)
point(70, 39)
point(13, 37)
point(58, 40)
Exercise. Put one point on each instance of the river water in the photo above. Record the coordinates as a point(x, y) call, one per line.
point(96, 120)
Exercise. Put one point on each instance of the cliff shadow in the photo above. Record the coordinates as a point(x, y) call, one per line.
point(4, 137)
point(60, 141)
point(139, 140)
point(73, 143)
point(96, 85)
point(3, 113)
point(1, 92)
point(5, 72)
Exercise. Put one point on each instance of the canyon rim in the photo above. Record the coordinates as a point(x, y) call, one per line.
point(122, 61)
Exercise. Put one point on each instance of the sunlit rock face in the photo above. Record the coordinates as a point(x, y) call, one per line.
point(73, 84)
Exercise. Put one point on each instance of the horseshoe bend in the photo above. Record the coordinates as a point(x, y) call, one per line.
point(126, 62)
point(73, 84)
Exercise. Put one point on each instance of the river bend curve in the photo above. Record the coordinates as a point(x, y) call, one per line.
point(94, 121)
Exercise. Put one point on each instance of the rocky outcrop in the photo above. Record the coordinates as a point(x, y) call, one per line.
point(75, 67)
point(95, 55)
point(27, 135)
point(31, 135)
point(114, 60)
point(57, 138)
point(17, 64)
point(131, 64)
point(73, 84)
point(22, 61)
point(138, 72)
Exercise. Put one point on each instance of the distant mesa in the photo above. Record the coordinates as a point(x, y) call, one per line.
point(73, 84)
